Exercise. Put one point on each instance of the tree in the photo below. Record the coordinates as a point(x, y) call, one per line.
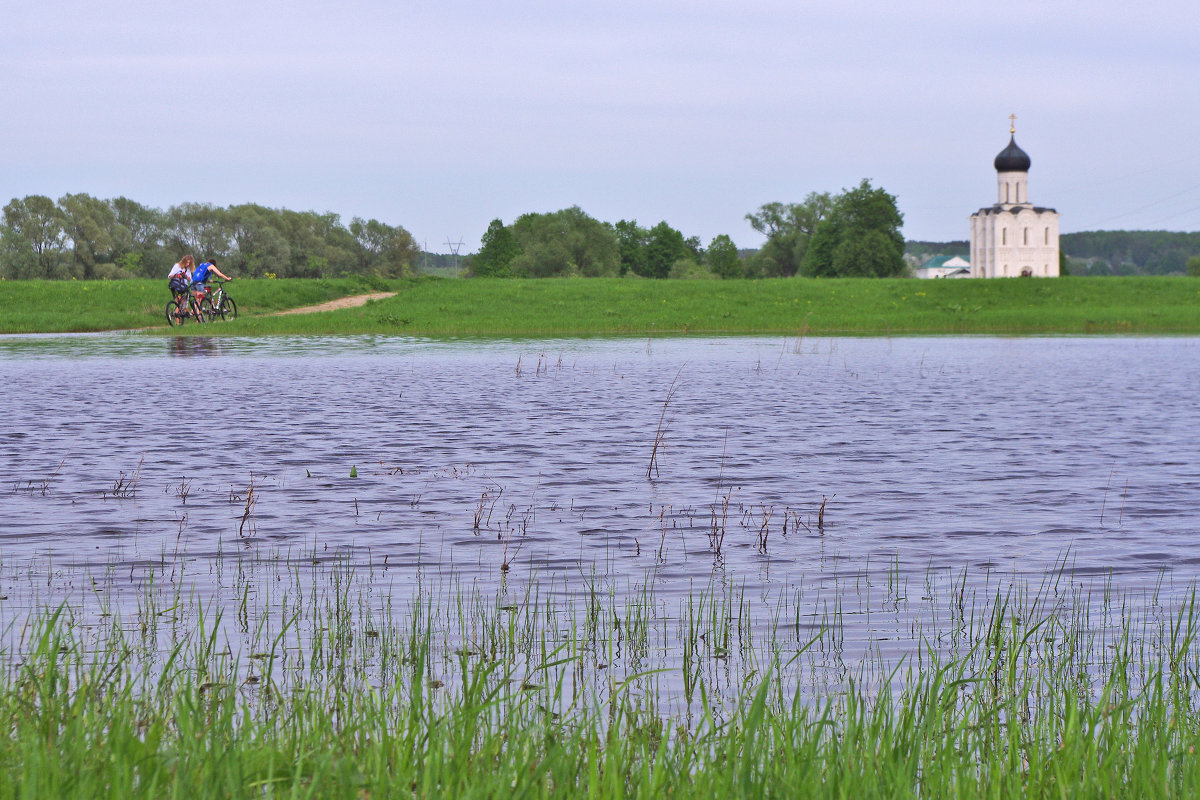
point(1193, 266)
point(138, 235)
point(89, 223)
point(722, 257)
point(497, 252)
point(664, 246)
point(17, 259)
point(200, 229)
point(631, 243)
point(788, 227)
point(259, 245)
point(860, 236)
point(37, 222)
point(383, 249)
point(566, 242)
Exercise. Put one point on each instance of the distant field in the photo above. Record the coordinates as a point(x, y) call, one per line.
point(581, 307)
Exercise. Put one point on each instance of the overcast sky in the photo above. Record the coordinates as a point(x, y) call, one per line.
point(440, 116)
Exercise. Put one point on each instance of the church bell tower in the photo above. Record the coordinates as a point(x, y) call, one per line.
point(1014, 238)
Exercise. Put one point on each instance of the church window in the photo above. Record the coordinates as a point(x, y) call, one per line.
point(1006, 192)
point(1004, 236)
point(1047, 236)
point(1026, 235)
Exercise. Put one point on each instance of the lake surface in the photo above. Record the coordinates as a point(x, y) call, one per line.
point(939, 463)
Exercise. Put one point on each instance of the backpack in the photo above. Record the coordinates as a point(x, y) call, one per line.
point(200, 275)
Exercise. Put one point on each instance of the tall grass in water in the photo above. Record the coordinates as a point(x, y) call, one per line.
point(327, 690)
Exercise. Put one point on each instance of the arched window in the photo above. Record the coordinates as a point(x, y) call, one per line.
point(1047, 235)
point(1006, 191)
point(1026, 235)
point(1004, 236)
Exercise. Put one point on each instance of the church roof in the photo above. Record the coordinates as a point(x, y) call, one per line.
point(940, 262)
point(1012, 158)
point(1014, 210)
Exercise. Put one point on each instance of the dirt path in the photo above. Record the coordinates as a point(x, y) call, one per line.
point(333, 305)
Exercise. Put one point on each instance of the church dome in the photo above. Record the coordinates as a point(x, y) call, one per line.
point(1012, 158)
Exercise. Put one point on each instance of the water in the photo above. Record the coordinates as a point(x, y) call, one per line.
point(939, 463)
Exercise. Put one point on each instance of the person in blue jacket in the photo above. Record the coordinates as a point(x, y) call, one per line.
point(200, 275)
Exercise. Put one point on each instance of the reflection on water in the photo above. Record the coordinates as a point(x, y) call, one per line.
point(850, 464)
point(197, 346)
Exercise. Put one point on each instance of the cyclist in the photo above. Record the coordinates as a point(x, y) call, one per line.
point(179, 278)
point(200, 275)
point(180, 275)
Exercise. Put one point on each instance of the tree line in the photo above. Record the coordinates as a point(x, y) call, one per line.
point(79, 236)
point(853, 233)
point(1130, 252)
point(1101, 253)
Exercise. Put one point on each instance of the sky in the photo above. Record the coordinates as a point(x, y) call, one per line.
point(441, 116)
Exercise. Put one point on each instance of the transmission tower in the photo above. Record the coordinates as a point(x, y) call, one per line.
point(454, 248)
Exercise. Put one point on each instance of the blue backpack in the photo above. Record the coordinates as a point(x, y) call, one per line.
point(200, 275)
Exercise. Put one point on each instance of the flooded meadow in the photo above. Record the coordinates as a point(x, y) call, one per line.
point(670, 517)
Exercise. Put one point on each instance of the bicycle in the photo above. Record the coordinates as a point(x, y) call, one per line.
point(221, 304)
point(184, 307)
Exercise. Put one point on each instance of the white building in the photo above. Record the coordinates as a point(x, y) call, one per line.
point(1014, 238)
point(944, 267)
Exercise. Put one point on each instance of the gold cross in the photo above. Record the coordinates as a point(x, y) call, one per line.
point(1012, 123)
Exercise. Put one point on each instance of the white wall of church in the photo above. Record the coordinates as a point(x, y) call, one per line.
point(1013, 238)
point(1013, 188)
point(1005, 243)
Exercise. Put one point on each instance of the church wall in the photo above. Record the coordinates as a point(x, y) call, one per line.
point(1012, 188)
point(1004, 242)
point(1012, 235)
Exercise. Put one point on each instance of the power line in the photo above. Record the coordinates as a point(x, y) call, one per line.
point(454, 248)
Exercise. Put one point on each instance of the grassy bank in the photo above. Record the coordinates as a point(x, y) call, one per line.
point(573, 307)
point(330, 692)
point(79, 306)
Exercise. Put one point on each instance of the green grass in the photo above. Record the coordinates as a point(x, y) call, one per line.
point(324, 689)
point(579, 307)
point(78, 306)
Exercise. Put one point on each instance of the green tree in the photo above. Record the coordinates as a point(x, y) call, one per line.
point(1193, 266)
point(566, 242)
point(90, 224)
point(860, 236)
point(199, 229)
point(260, 247)
point(664, 246)
point(722, 257)
point(383, 249)
point(138, 235)
point(37, 222)
point(631, 243)
point(17, 259)
point(789, 228)
point(498, 249)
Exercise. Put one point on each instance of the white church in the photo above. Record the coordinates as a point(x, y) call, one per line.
point(1014, 238)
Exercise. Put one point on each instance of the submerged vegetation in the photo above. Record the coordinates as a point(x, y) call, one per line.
point(314, 682)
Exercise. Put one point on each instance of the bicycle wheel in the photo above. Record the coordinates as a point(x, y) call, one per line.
point(174, 315)
point(228, 309)
point(207, 312)
point(194, 310)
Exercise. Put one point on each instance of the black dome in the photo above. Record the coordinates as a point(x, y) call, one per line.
point(1012, 158)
